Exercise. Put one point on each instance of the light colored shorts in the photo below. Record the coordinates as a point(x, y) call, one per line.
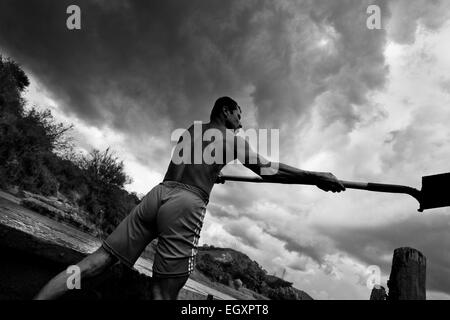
point(173, 212)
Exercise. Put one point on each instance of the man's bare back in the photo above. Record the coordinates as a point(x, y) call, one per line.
point(196, 172)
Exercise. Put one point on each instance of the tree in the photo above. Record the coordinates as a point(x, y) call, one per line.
point(106, 200)
point(28, 138)
point(103, 168)
point(13, 82)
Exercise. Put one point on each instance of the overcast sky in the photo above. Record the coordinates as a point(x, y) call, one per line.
point(367, 105)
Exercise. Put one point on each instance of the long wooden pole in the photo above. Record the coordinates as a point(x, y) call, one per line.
point(369, 186)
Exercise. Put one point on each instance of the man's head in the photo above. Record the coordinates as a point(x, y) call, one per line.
point(227, 110)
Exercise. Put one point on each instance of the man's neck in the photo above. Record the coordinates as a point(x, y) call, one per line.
point(217, 123)
point(220, 125)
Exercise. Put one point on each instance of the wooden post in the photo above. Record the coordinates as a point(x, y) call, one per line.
point(378, 293)
point(408, 275)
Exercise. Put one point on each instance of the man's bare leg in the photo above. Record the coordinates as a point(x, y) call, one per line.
point(167, 288)
point(93, 265)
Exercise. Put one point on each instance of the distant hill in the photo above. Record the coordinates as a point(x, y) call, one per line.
point(233, 268)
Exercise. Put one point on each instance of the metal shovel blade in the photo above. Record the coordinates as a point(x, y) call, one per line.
point(435, 191)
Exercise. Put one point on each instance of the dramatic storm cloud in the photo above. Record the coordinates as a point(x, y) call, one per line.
point(367, 105)
point(145, 68)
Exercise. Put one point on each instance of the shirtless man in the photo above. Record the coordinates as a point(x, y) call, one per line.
point(173, 211)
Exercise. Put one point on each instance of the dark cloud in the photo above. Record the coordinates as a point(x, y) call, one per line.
point(445, 85)
point(424, 140)
point(237, 196)
point(147, 67)
point(358, 60)
point(315, 251)
point(297, 266)
point(220, 211)
point(408, 15)
point(245, 234)
point(428, 233)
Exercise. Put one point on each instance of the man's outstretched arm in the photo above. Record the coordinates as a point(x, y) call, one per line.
point(282, 173)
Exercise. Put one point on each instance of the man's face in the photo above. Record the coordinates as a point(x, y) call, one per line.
point(233, 120)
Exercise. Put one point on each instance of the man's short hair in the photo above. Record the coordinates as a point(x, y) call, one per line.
point(223, 102)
